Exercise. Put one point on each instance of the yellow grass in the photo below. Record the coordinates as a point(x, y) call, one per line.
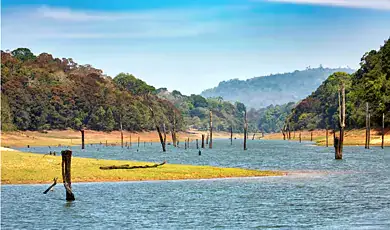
point(23, 168)
point(352, 137)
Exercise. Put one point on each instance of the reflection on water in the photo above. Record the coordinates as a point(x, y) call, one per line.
point(319, 192)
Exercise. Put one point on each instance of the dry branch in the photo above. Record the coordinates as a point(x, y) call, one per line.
point(131, 167)
point(51, 186)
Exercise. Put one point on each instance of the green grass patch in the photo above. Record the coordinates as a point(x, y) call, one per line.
point(24, 168)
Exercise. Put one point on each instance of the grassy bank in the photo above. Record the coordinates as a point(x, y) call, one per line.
point(352, 137)
point(25, 168)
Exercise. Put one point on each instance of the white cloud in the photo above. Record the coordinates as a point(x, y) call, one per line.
point(44, 22)
point(369, 4)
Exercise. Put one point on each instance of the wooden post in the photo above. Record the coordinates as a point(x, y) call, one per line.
point(231, 135)
point(327, 144)
point(202, 141)
point(82, 139)
point(300, 138)
point(245, 129)
point(66, 173)
point(211, 130)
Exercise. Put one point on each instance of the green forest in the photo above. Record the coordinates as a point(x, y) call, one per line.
point(370, 83)
point(42, 92)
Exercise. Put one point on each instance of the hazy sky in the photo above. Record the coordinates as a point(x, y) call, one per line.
point(193, 45)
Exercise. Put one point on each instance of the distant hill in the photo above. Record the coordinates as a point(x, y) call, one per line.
point(260, 92)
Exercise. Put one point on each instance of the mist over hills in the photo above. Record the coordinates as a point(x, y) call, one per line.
point(260, 92)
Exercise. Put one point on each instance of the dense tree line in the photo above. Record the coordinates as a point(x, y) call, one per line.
point(371, 83)
point(42, 92)
point(195, 111)
point(270, 119)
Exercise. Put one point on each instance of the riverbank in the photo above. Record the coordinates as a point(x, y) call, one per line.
point(28, 168)
point(352, 137)
point(73, 137)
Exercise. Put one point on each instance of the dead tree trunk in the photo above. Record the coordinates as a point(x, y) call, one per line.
point(121, 132)
point(300, 138)
point(197, 144)
point(289, 131)
point(211, 130)
point(231, 135)
point(66, 173)
point(130, 140)
point(138, 141)
point(202, 141)
point(173, 131)
point(158, 130)
point(245, 129)
point(253, 137)
point(207, 139)
point(82, 139)
point(383, 130)
point(340, 141)
point(188, 142)
point(165, 135)
point(311, 136)
point(369, 131)
point(327, 144)
point(366, 144)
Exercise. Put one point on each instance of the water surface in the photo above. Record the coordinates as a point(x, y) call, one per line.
point(326, 194)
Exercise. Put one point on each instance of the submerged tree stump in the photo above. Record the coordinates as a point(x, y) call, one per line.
point(66, 173)
point(245, 129)
point(327, 144)
point(202, 141)
point(211, 130)
point(383, 130)
point(82, 139)
point(231, 135)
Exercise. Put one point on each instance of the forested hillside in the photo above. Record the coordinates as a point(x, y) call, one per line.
point(371, 83)
point(275, 89)
point(195, 110)
point(42, 92)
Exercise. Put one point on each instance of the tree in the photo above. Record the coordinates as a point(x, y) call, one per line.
point(23, 54)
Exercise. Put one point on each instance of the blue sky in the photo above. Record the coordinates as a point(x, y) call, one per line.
point(193, 45)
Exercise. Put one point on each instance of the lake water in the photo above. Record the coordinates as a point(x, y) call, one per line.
point(319, 193)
